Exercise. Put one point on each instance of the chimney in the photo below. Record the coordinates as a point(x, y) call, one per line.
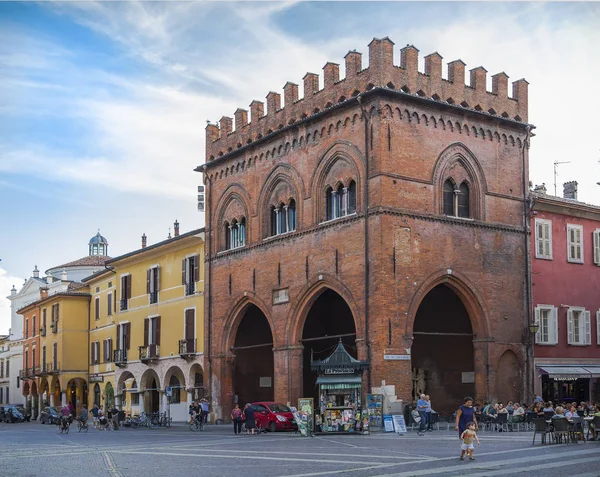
point(13, 291)
point(311, 85)
point(44, 292)
point(225, 125)
point(241, 118)
point(36, 272)
point(257, 110)
point(144, 240)
point(63, 275)
point(570, 190)
point(176, 228)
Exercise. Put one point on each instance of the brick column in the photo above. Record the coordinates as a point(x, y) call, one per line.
point(222, 385)
point(480, 355)
point(288, 373)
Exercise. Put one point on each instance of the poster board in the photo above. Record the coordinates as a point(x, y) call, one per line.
point(388, 423)
point(375, 410)
point(304, 416)
point(399, 423)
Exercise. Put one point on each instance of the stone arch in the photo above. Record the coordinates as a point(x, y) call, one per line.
point(196, 385)
point(464, 289)
point(457, 160)
point(306, 298)
point(236, 314)
point(26, 388)
point(150, 386)
point(344, 159)
point(177, 373)
point(174, 371)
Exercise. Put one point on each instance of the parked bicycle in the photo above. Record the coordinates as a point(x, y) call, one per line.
point(163, 420)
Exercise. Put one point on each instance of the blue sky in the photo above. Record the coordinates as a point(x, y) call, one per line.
point(103, 104)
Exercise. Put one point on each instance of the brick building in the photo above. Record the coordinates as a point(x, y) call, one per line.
point(384, 209)
point(565, 282)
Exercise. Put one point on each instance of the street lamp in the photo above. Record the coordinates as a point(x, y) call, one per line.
point(533, 328)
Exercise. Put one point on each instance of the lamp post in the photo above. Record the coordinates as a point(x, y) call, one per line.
point(533, 329)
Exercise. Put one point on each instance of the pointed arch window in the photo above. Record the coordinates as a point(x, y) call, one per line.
point(227, 235)
point(235, 234)
point(291, 216)
point(341, 201)
point(283, 218)
point(329, 201)
point(448, 197)
point(463, 201)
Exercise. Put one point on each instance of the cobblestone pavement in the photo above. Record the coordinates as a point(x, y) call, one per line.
point(32, 449)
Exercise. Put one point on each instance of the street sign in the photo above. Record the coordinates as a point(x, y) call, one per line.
point(169, 391)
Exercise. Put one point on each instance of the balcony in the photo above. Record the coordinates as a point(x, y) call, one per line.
point(120, 357)
point(190, 288)
point(153, 297)
point(187, 348)
point(29, 372)
point(37, 371)
point(53, 368)
point(123, 304)
point(42, 330)
point(44, 369)
point(149, 353)
point(22, 374)
point(54, 326)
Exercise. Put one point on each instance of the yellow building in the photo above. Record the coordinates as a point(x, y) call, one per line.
point(147, 327)
point(60, 370)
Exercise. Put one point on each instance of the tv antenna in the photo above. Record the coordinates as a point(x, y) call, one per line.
point(556, 163)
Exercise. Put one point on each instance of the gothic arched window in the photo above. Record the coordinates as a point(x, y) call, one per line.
point(449, 197)
point(463, 201)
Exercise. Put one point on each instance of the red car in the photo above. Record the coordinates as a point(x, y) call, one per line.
point(273, 416)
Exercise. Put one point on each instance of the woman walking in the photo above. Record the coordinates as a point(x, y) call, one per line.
point(236, 417)
point(249, 413)
point(464, 415)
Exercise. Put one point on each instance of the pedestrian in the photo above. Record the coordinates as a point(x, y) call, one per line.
point(466, 438)
point(115, 417)
point(464, 415)
point(422, 406)
point(236, 417)
point(249, 413)
point(94, 413)
point(204, 406)
point(102, 421)
point(429, 414)
point(191, 411)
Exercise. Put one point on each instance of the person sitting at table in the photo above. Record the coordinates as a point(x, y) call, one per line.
point(548, 407)
point(493, 411)
point(595, 432)
point(559, 413)
point(518, 414)
point(537, 408)
point(571, 412)
point(501, 409)
point(510, 407)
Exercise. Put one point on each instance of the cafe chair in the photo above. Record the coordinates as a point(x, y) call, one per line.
point(502, 422)
point(540, 427)
point(561, 430)
point(593, 424)
point(576, 429)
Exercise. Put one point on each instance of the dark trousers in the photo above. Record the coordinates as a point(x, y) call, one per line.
point(428, 419)
point(423, 422)
point(237, 426)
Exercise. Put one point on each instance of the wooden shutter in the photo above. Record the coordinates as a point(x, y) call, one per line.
point(97, 308)
point(157, 330)
point(538, 335)
point(148, 275)
point(44, 318)
point(128, 287)
point(93, 352)
point(157, 279)
point(554, 326)
point(120, 344)
point(183, 262)
point(55, 355)
point(109, 304)
point(189, 324)
point(105, 349)
point(127, 335)
point(196, 268)
point(110, 349)
point(578, 243)
point(598, 326)
point(587, 328)
point(570, 327)
point(597, 247)
point(115, 301)
point(146, 328)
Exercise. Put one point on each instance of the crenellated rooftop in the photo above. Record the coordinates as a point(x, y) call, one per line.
point(231, 134)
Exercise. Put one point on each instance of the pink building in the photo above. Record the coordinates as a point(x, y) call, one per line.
point(566, 296)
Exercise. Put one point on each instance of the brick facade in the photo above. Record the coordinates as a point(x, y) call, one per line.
point(399, 135)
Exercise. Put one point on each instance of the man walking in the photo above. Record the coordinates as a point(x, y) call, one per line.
point(422, 406)
point(204, 406)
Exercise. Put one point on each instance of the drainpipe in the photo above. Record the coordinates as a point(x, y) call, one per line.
point(528, 302)
point(208, 296)
point(367, 265)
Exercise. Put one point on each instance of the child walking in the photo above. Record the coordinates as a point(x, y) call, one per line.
point(467, 441)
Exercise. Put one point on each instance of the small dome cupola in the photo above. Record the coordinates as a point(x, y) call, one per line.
point(98, 245)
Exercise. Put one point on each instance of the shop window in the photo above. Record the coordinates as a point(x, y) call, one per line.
point(97, 394)
point(176, 390)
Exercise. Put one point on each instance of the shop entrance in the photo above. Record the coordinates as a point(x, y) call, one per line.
point(442, 351)
point(329, 320)
point(565, 389)
point(254, 365)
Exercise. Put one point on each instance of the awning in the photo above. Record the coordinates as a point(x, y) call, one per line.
point(339, 382)
point(572, 372)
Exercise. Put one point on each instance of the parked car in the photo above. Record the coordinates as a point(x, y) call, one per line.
point(274, 416)
point(49, 415)
point(12, 414)
point(23, 411)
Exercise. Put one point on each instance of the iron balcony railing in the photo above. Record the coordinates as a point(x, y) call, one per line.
point(22, 373)
point(42, 330)
point(53, 368)
point(120, 356)
point(29, 372)
point(149, 352)
point(37, 371)
point(187, 346)
point(190, 288)
point(153, 297)
point(123, 304)
point(44, 369)
point(54, 326)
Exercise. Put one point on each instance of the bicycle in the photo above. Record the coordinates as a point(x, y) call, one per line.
point(197, 424)
point(82, 425)
point(163, 420)
point(65, 424)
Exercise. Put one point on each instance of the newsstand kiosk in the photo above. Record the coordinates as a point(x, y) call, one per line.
point(340, 392)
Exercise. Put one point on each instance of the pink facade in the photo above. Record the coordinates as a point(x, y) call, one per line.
point(565, 265)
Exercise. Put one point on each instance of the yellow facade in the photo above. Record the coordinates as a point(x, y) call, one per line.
point(156, 326)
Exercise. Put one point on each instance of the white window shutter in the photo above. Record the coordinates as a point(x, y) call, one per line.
point(570, 327)
point(598, 326)
point(553, 326)
point(548, 240)
point(538, 335)
point(578, 243)
point(597, 247)
point(587, 328)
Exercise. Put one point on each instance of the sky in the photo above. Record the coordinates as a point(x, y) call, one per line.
point(103, 105)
